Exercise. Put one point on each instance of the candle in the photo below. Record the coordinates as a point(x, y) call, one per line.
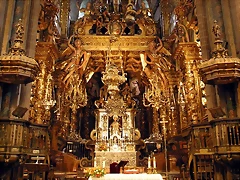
point(103, 164)
point(154, 163)
point(95, 162)
point(149, 162)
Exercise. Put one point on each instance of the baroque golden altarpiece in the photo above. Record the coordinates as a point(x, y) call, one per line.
point(114, 90)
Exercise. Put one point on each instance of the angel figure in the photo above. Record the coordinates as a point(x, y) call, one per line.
point(154, 62)
point(77, 62)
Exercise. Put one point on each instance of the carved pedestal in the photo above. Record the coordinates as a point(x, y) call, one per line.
point(111, 157)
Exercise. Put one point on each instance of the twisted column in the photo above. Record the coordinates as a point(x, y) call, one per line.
point(191, 54)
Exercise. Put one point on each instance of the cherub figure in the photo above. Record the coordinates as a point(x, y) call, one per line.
point(77, 62)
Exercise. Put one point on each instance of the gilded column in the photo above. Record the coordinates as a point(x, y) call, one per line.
point(173, 121)
point(191, 54)
point(64, 17)
point(182, 106)
point(64, 131)
point(86, 124)
point(73, 125)
point(155, 127)
point(163, 119)
point(39, 93)
point(174, 78)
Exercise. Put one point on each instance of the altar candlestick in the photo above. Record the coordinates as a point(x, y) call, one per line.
point(103, 164)
point(95, 162)
point(149, 162)
point(154, 163)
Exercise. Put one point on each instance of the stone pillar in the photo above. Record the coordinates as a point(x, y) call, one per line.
point(15, 90)
point(205, 22)
point(229, 35)
point(202, 24)
point(7, 26)
point(3, 13)
point(32, 28)
point(211, 98)
point(25, 98)
point(235, 16)
point(30, 21)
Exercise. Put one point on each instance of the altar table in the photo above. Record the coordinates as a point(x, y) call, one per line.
point(111, 156)
point(129, 177)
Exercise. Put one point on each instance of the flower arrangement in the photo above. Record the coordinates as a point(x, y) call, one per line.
point(102, 147)
point(95, 172)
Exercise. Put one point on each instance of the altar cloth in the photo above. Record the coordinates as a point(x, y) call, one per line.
point(129, 177)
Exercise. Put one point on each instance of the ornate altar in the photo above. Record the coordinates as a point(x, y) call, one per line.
point(115, 138)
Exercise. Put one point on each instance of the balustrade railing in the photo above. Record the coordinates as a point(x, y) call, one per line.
point(202, 137)
point(78, 149)
point(226, 132)
point(13, 139)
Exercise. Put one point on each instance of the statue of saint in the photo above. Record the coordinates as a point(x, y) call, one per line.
point(77, 62)
point(115, 127)
point(216, 30)
point(146, 14)
point(87, 12)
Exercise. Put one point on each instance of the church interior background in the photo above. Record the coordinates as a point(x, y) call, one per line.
point(87, 83)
